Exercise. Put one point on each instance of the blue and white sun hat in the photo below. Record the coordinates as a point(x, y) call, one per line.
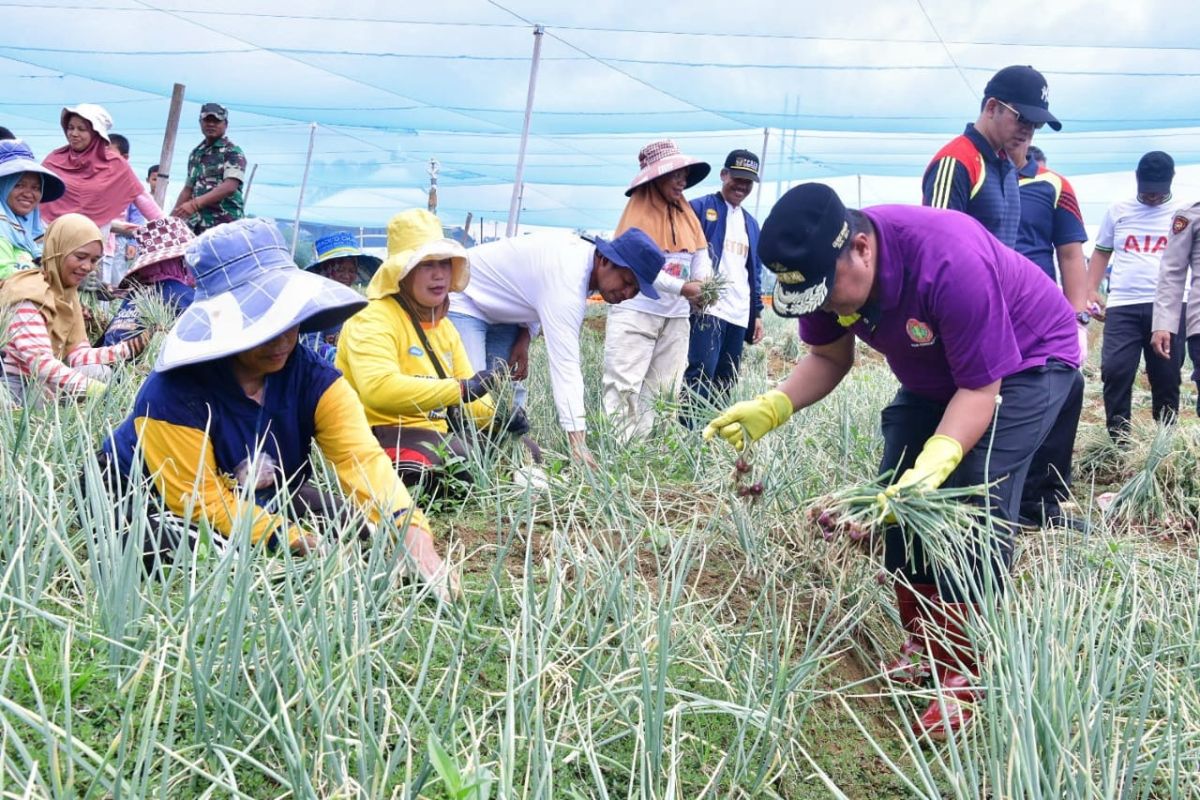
point(248, 291)
point(344, 245)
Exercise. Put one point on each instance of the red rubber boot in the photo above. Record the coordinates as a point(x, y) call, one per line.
point(915, 604)
point(955, 660)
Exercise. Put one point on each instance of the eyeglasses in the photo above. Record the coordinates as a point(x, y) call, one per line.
point(1021, 118)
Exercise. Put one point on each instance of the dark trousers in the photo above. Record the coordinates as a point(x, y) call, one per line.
point(164, 533)
point(714, 354)
point(1193, 347)
point(1033, 406)
point(1049, 480)
point(1127, 332)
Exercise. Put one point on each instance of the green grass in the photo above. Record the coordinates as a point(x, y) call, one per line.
point(636, 632)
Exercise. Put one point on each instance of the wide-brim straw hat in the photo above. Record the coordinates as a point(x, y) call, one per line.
point(101, 120)
point(16, 158)
point(248, 291)
point(659, 158)
point(343, 245)
point(415, 236)
point(160, 240)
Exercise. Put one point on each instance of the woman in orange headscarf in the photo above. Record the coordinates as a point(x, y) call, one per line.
point(646, 341)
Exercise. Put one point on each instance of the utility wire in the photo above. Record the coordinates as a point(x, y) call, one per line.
point(949, 55)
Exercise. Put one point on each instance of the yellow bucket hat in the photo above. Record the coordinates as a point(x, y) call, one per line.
point(415, 236)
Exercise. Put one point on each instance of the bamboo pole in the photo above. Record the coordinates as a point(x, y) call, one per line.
point(518, 179)
point(762, 162)
point(312, 135)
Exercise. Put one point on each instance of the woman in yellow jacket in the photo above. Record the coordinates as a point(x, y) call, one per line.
point(406, 360)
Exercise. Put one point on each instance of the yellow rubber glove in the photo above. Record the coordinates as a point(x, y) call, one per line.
point(933, 466)
point(752, 418)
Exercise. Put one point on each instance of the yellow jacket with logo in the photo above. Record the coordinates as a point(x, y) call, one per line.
point(382, 357)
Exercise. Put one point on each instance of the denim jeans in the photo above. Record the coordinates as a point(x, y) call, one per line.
point(714, 354)
point(486, 343)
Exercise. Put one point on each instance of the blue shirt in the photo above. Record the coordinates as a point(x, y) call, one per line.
point(968, 175)
point(1050, 215)
point(956, 308)
point(207, 396)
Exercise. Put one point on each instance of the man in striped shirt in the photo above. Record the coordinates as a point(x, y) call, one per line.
point(972, 173)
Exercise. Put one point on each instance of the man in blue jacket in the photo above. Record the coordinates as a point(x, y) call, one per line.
point(719, 331)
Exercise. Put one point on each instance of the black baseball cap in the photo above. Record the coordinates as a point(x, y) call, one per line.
point(800, 242)
point(742, 164)
point(1023, 88)
point(1155, 171)
point(214, 110)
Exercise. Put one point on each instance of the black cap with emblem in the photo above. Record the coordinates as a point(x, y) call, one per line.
point(742, 164)
point(1025, 89)
point(801, 240)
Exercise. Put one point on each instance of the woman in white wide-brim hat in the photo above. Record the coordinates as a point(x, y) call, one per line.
point(406, 359)
point(645, 339)
point(232, 395)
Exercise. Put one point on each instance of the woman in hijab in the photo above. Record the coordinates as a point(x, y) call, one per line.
point(99, 183)
point(46, 349)
point(232, 398)
point(645, 340)
point(24, 184)
point(159, 271)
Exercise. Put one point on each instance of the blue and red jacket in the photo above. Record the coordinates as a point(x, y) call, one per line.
point(1050, 215)
point(714, 234)
point(967, 175)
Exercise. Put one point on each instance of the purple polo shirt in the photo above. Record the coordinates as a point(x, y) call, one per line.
point(956, 308)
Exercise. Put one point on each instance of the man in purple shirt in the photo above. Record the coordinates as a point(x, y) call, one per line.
point(963, 321)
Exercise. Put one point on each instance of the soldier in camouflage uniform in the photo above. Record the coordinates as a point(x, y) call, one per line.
point(216, 169)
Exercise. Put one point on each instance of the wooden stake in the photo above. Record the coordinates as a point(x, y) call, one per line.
point(168, 148)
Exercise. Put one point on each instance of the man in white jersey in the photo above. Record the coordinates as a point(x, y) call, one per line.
point(544, 280)
point(1133, 235)
point(718, 333)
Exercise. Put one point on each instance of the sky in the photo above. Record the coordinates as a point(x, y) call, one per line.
point(870, 88)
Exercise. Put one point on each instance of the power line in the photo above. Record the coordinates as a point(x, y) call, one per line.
point(949, 55)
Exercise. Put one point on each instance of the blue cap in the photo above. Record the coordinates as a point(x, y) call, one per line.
point(635, 250)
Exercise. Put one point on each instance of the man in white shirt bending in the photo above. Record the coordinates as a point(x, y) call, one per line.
point(544, 280)
point(1133, 235)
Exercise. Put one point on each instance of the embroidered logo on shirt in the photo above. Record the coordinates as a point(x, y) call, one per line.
point(1179, 223)
point(416, 351)
point(711, 215)
point(919, 332)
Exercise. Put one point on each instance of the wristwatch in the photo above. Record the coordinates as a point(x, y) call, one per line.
point(1083, 317)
